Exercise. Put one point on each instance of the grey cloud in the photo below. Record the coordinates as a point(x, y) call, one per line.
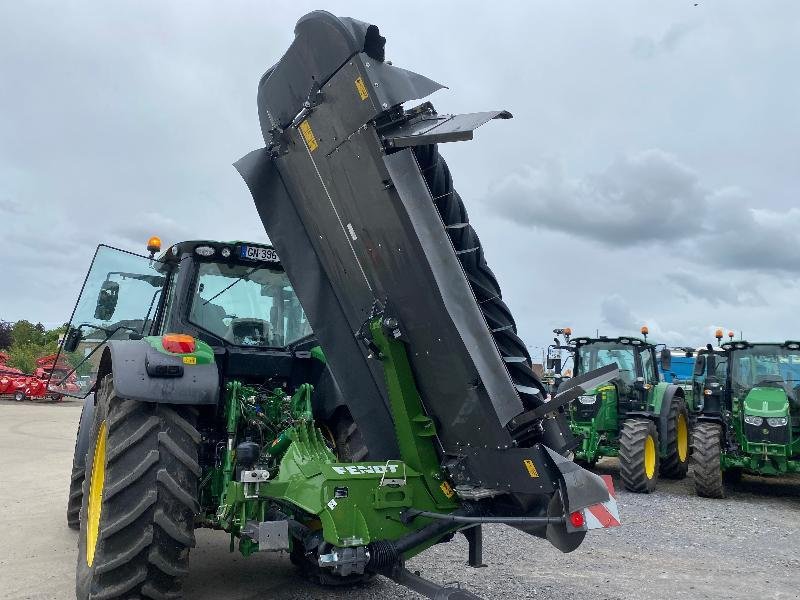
point(648, 198)
point(646, 47)
point(615, 312)
point(717, 291)
point(640, 198)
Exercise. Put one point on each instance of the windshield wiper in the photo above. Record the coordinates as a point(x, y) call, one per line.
point(238, 279)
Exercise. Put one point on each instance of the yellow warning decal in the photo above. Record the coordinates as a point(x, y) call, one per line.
point(531, 468)
point(363, 93)
point(190, 360)
point(447, 489)
point(308, 135)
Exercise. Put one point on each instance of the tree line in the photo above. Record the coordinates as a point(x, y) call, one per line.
point(24, 342)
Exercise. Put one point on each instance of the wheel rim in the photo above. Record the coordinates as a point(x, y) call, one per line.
point(95, 501)
point(683, 438)
point(649, 457)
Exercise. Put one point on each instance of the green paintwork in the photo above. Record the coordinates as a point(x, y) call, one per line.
point(599, 435)
point(353, 503)
point(202, 351)
point(317, 353)
point(766, 402)
point(755, 456)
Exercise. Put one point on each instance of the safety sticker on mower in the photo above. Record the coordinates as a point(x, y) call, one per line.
point(531, 468)
point(308, 135)
point(361, 88)
point(601, 516)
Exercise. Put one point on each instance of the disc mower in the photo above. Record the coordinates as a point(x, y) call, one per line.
point(351, 395)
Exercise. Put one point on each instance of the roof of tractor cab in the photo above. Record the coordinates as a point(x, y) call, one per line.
point(744, 344)
point(216, 250)
point(624, 339)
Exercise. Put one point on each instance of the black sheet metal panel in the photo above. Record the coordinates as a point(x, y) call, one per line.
point(437, 129)
point(299, 254)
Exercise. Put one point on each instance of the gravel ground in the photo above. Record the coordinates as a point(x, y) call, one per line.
point(672, 544)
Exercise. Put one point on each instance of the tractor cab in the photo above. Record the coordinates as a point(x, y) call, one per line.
point(749, 419)
point(636, 360)
point(231, 298)
point(764, 388)
point(636, 416)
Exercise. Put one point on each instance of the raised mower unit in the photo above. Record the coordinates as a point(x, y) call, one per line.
point(636, 417)
point(749, 413)
point(411, 413)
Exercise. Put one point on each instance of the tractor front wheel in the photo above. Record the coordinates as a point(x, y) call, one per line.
point(675, 463)
point(638, 455)
point(19, 396)
point(139, 499)
point(707, 459)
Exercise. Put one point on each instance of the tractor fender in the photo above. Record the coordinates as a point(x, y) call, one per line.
point(663, 395)
point(128, 359)
point(84, 432)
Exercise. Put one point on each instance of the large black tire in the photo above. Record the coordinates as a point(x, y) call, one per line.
point(675, 463)
point(349, 443)
point(144, 499)
point(709, 481)
point(638, 455)
point(75, 499)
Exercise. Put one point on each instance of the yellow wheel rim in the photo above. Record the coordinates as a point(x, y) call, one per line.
point(683, 438)
point(96, 485)
point(649, 457)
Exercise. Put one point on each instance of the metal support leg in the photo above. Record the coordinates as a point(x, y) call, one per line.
point(474, 537)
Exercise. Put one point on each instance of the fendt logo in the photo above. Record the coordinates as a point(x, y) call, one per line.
point(366, 469)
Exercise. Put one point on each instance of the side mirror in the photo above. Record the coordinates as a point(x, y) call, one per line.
point(72, 339)
point(107, 300)
point(666, 359)
point(554, 364)
point(700, 365)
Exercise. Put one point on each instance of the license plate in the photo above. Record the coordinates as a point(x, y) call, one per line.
point(260, 254)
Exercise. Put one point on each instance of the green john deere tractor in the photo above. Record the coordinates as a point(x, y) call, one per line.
point(749, 413)
point(214, 405)
point(636, 417)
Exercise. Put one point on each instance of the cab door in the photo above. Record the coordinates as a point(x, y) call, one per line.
point(118, 301)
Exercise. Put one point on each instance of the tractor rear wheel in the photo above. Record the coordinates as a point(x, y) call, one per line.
point(675, 463)
point(139, 499)
point(638, 455)
point(707, 459)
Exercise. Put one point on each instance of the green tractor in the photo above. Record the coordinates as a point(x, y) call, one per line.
point(636, 417)
point(214, 405)
point(748, 413)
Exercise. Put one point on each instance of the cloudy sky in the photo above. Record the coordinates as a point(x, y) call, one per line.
point(650, 175)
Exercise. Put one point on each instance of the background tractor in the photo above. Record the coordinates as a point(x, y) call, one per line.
point(749, 413)
point(637, 417)
point(209, 381)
